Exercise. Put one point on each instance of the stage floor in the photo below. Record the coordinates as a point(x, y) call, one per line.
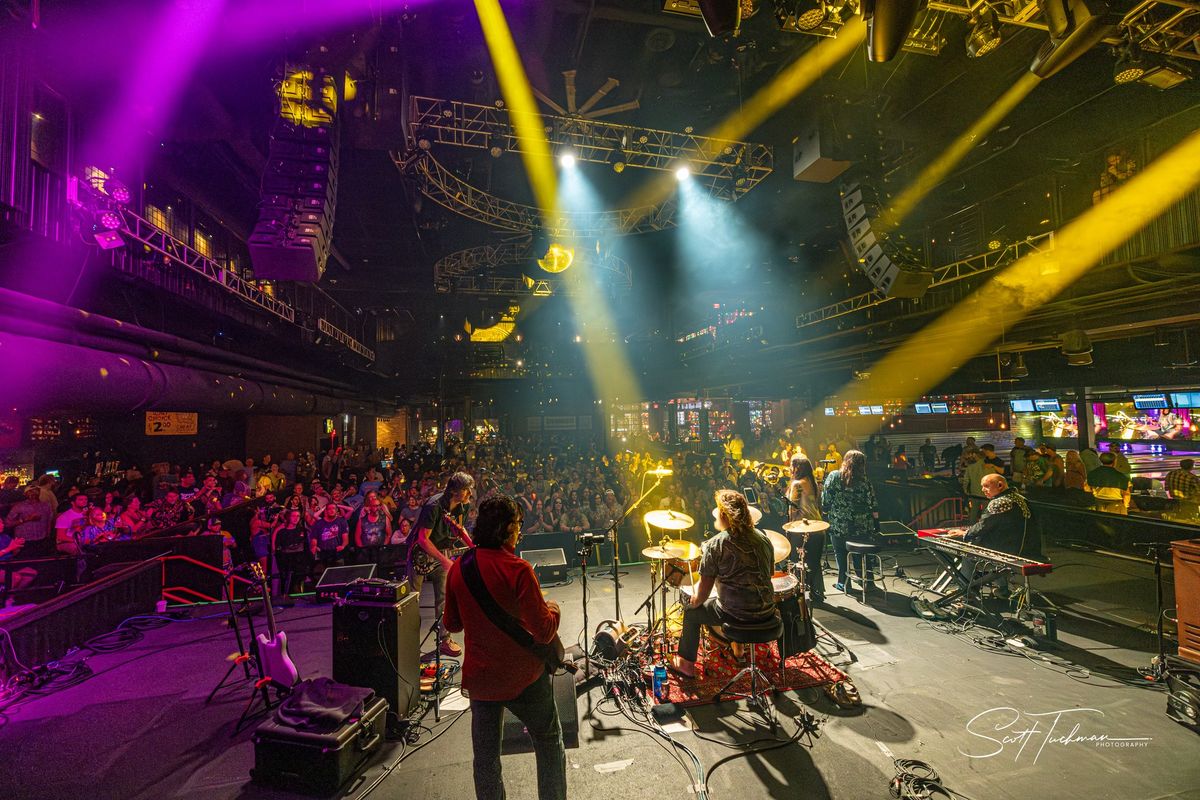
point(139, 727)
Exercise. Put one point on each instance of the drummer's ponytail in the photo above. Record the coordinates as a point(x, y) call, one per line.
point(736, 511)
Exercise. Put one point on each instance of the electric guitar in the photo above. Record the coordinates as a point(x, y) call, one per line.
point(423, 563)
point(273, 658)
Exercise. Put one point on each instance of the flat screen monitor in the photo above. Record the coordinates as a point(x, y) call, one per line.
point(1021, 406)
point(1143, 402)
point(864, 410)
point(940, 408)
point(1185, 399)
point(877, 410)
point(828, 411)
point(923, 408)
point(1046, 404)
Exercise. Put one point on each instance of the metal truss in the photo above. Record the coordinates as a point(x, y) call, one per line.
point(469, 272)
point(339, 335)
point(446, 189)
point(728, 167)
point(171, 248)
point(942, 276)
point(1171, 27)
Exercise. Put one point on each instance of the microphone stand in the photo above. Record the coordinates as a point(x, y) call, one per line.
point(616, 562)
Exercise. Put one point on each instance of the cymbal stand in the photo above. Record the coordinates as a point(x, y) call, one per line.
point(616, 562)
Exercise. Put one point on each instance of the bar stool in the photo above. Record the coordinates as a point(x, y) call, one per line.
point(751, 634)
point(865, 552)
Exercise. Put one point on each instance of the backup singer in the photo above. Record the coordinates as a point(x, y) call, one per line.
point(498, 673)
point(738, 561)
point(804, 497)
point(435, 534)
point(848, 500)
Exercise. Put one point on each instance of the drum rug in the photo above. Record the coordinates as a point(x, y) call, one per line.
point(802, 671)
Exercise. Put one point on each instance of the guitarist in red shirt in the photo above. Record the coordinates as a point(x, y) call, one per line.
point(498, 673)
point(439, 525)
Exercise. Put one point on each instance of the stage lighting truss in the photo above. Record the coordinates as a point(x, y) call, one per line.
point(993, 259)
point(477, 270)
point(448, 190)
point(1169, 27)
point(713, 161)
point(826, 17)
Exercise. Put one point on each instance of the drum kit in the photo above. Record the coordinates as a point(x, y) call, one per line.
point(675, 564)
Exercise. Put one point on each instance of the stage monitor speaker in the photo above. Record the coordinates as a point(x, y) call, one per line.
point(516, 738)
point(334, 579)
point(549, 565)
point(377, 645)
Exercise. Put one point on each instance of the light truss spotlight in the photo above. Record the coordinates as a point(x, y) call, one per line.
point(804, 15)
point(683, 172)
point(558, 258)
point(985, 33)
point(1130, 66)
point(567, 160)
point(496, 145)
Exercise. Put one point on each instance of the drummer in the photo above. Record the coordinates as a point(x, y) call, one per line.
point(804, 498)
point(738, 561)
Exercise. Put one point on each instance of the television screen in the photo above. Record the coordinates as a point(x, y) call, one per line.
point(1125, 422)
point(1047, 404)
point(923, 408)
point(828, 411)
point(940, 408)
point(1185, 399)
point(864, 410)
point(1021, 406)
point(1143, 402)
point(877, 410)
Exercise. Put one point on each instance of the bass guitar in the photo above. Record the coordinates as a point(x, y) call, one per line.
point(273, 659)
point(423, 564)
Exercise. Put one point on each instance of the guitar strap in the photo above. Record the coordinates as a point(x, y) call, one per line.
point(500, 618)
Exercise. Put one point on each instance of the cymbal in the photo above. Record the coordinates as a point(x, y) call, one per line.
point(668, 520)
point(806, 526)
point(672, 549)
point(779, 545)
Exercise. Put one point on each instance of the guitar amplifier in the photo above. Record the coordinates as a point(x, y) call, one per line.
point(375, 590)
point(377, 645)
point(333, 580)
point(515, 736)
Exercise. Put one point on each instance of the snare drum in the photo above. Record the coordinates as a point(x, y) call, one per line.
point(681, 571)
point(785, 586)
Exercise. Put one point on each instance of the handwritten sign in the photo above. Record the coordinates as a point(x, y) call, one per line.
point(172, 423)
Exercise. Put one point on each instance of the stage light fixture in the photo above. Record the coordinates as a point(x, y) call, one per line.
point(721, 17)
point(616, 159)
point(1019, 370)
point(985, 33)
point(116, 190)
point(1077, 347)
point(558, 258)
point(1076, 26)
point(425, 139)
point(497, 144)
point(1130, 65)
point(682, 173)
point(888, 25)
point(803, 15)
point(108, 220)
point(567, 160)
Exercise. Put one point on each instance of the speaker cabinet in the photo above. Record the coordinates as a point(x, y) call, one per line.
point(516, 738)
point(870, 248)
point(377, 645)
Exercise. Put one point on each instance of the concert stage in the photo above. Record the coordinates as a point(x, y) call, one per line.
point(139, 727)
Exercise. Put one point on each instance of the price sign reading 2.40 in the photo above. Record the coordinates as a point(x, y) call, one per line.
point(172, 423)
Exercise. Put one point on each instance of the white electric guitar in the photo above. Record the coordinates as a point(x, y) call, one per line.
point(273, 659)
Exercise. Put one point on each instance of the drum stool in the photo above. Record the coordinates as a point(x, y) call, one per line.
point(751, 634)
point(865, 551)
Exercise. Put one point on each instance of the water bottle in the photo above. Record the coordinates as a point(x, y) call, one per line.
point(660, 683)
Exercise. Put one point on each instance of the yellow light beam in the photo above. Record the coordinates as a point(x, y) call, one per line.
point(968, 329)
point(785, 87)
point(523, 110)
point(940, 167)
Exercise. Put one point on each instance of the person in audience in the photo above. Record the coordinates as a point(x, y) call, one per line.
point(928, 454)
point(169, 511)
point(69, 523)
point(989, 457)
point(1182, 483)
point(133, 519)
point(213, 527)
point(97, 528)
point(288, 543)
point(1075, 474)
point(271, 480)
point(329, 536)
point(32, 521)
point(1110, 486)
point(372, 531)
point(288, 467)
point(10, 495)
point(1057, 467)
point(10, 549)
point(1121, 463)
point(1090, 459)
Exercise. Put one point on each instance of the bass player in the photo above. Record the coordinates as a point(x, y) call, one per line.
point(498, 672)
point(438, 526)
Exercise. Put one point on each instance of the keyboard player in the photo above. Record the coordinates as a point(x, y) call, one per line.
point(1003, 526)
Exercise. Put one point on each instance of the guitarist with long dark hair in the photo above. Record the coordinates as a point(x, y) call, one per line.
point(498, 671)
point(439, 525)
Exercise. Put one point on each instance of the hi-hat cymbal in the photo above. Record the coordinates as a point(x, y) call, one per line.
point(673, 549)
point(669, 520)
point(779, 545)
point(806, 526)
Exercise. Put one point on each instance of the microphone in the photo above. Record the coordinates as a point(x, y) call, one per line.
point(660, 471)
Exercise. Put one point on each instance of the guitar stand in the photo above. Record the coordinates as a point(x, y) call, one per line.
point(244, 658)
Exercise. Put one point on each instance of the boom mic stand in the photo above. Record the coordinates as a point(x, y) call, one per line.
point(1158, 666)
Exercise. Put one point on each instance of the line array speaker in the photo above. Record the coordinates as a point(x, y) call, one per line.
point(886, 275)
point(292, 238)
